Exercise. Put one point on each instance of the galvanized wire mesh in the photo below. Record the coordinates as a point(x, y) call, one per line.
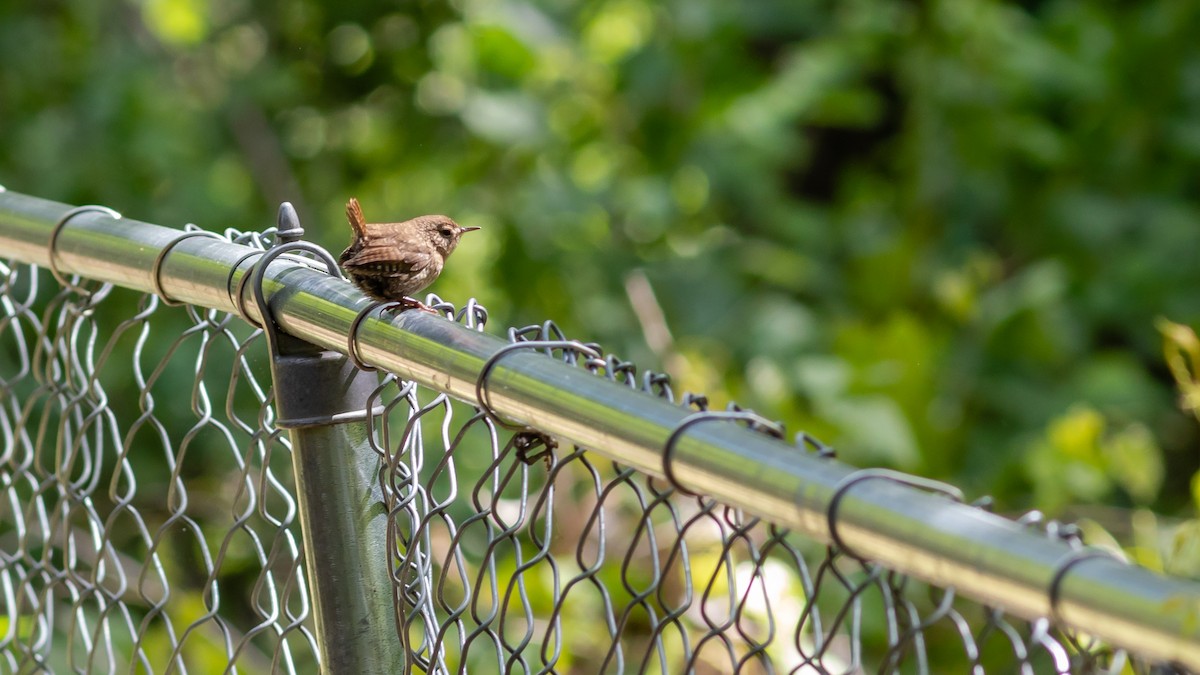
point(511, 556)
point(148, 525)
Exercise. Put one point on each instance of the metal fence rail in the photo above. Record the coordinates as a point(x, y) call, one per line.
point(146, 528)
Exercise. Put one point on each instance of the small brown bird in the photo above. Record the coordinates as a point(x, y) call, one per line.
point(392, 261)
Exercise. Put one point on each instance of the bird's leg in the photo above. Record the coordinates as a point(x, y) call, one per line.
point(413, 303)
point(406, 303)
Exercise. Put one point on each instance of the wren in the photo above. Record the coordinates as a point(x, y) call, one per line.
point(393, 261)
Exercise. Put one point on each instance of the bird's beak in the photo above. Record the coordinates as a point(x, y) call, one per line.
point(470, 229)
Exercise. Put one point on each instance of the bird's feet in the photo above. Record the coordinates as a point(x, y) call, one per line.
point(407, 303)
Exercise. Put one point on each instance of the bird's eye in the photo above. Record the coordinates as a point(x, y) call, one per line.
point(446, 232)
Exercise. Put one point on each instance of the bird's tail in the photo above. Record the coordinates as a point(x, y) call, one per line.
point(355, 215)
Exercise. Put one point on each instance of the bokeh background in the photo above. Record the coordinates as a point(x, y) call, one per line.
point(944, 236)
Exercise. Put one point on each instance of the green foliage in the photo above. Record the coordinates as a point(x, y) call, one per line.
point(934, 234)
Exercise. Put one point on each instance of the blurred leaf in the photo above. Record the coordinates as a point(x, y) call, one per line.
point(873, 431)
point(1184, 552)
point(1076, 435)
point(176, 22)
point(1147, 534)
point(939, 233)
point(502, 53)
point(1181, 348)
point(620, 27)
point(1135, 462)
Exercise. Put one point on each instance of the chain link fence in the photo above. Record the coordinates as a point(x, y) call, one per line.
point(150, 521)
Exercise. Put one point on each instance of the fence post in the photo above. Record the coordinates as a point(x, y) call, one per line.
point(321, 399)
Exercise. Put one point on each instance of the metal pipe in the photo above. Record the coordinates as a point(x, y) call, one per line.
point(984, 556)
point(323, 402)
point(345, 548)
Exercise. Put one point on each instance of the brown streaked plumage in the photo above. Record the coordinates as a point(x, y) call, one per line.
point(392, 261)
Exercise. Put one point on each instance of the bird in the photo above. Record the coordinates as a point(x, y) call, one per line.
point(392, 261)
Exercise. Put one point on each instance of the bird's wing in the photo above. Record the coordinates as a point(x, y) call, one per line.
point(382, 259)
point(355, 215)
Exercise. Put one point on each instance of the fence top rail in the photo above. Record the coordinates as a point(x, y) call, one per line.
point(902, 522)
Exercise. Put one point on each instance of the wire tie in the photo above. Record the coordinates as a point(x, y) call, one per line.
point(235, 296)
point(156, 269)
point(875, 473)
point(1070, 560)
point(352, 335)
point(481, 391)
point(259, 274)
point(53, 246)
point(771, 428)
